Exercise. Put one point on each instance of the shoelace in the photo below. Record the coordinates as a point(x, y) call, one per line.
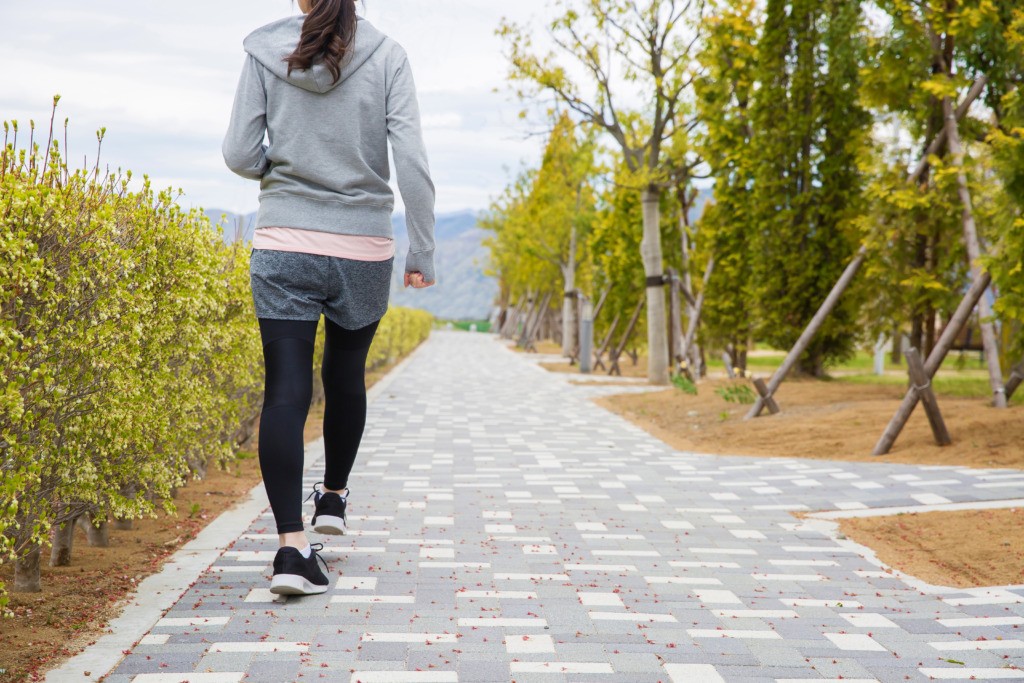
point(316, 490)
point(314, 550)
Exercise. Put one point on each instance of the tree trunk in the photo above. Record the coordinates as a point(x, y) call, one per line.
point(897, 346)
point(122, 524)
point(917, 330)
point(569, 322)
point(929, 330)
point(988, 330)
point(63, 539)
point(26, 572)
point(96, 530)
point(650, 250)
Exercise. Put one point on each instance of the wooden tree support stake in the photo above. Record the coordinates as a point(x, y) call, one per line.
point(1016, 377)
point(527, 320)
point(675, 324)
point(935, 358)
point(532, 333)
point(921, 383)
point(599, 354)
point(808, 334)
point(617, 351)
point(727, 361)
point(766, 396)
point(691, 324)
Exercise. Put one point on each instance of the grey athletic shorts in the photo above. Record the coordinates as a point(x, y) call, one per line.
point(288, 285)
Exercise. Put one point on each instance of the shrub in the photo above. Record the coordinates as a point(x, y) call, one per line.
point(128, 350)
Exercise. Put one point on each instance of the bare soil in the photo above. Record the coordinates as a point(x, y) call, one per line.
point(826, 420)
point(77, 602)
point(965, 549)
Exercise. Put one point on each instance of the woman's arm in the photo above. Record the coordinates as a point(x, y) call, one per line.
point(243, 148)
point(414, 181)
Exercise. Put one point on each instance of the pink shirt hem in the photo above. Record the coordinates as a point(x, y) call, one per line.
point(356, 247)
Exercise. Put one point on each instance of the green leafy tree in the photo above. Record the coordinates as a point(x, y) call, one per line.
point(724, 95)
point(808, 125)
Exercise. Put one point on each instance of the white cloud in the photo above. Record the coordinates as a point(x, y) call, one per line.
point(161, 78)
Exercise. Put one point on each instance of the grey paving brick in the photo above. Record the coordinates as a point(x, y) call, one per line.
point(516, 469)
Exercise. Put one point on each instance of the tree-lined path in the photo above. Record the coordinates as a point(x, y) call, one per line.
point(507, 528)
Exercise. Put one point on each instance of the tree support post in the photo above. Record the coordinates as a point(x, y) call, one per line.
point(921, 383)
point(765, 396)
point(808, 334)
point(694, 321)
point(675, 324)
point(617, 351)
point(532, 332)
point(935, 358)
point(527, 321)
point(601, 350)
point(1016, 377)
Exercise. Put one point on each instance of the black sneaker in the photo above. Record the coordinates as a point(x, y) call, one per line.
point(297, 575)
point(329, 517)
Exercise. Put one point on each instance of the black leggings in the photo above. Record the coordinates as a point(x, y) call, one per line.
point(288, 356)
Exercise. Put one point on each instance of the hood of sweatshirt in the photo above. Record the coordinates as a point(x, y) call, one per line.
point(272, 43)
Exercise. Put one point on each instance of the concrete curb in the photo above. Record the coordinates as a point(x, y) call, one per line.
point(159, 592)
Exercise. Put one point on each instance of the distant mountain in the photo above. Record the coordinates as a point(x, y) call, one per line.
point(462, 291)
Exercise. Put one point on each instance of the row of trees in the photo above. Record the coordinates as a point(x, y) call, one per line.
point(804, 117)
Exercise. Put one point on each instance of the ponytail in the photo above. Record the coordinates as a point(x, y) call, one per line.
point(329, 31)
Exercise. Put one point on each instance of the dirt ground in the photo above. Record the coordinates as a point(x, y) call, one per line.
point(962, 549)
point(76, 603)
point(827, 420)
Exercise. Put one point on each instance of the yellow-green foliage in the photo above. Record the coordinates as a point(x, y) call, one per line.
point(400, 331)
point(129, 353)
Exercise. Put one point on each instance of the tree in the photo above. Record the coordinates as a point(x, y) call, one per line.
point(808, 125)
point(623, 47)
point(930, 56)
point(724, 94)
point(562, 202)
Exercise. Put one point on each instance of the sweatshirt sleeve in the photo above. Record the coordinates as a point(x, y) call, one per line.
point(243, 148)
point(414, 183)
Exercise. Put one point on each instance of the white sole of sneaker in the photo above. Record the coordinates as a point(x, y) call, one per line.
point(329, 525)
point(293, 584)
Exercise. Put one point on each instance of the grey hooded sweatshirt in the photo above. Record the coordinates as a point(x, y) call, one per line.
point(326, 167)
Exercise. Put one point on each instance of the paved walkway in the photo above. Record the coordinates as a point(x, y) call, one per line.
point(507, 528)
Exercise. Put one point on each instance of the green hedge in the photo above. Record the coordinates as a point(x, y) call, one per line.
point(129, 356)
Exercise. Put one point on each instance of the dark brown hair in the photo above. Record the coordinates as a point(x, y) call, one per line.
point(329, 31)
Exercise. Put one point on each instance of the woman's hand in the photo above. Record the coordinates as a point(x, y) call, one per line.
point(416, 280)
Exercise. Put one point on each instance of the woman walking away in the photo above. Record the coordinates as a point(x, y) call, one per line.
point(329, 90)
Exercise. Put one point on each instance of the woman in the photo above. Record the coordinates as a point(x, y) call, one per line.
point(330, 91)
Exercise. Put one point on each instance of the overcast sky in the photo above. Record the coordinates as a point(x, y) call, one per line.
point(161, 76)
